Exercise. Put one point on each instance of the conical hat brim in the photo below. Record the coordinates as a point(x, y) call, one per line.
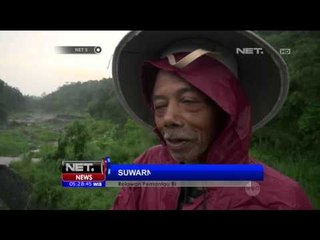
point(263, 76)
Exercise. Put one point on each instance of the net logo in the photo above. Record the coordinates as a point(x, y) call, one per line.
point(79, 167)
point(83, 170)
point(249, 51)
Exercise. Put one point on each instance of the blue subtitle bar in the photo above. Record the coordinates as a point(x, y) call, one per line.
point(179, 172)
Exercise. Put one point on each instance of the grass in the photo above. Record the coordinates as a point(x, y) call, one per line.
point(20, 115)
point(14, 142)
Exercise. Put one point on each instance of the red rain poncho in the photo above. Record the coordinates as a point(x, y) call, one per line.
point(231, 147)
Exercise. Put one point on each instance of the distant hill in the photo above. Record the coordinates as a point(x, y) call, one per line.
point(98, 98)
point(95, 97)
point(11, 99)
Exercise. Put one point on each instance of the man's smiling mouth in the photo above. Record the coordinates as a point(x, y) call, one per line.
point(177, 143)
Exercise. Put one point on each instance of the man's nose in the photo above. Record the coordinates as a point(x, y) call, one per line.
point(172, 115)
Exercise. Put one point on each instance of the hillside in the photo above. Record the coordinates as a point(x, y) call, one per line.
point(94, 97)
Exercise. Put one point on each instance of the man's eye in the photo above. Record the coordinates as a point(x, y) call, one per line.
point(157, 107)
point(188, 101)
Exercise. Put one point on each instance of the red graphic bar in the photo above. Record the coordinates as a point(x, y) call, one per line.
point(83, 177)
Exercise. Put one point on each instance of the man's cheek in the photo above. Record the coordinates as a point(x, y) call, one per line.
point(158, 122)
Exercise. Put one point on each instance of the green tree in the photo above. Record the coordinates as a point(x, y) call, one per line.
point(73, 143)
point(3, 112)
point(296, 127)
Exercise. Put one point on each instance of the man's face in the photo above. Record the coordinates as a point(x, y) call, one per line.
point(184, 117)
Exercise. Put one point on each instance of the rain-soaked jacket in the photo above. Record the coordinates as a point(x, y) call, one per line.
point(276, 191)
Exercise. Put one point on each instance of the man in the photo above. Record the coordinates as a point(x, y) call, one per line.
point(197, 92)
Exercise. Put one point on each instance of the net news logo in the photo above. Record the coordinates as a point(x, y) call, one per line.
point(84, 173)
point(259, 51)
point(83, 170)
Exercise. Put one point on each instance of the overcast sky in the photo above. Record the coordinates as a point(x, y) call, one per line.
point(30, 62)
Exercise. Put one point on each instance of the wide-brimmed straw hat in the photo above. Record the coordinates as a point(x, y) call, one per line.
point(260, 69)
